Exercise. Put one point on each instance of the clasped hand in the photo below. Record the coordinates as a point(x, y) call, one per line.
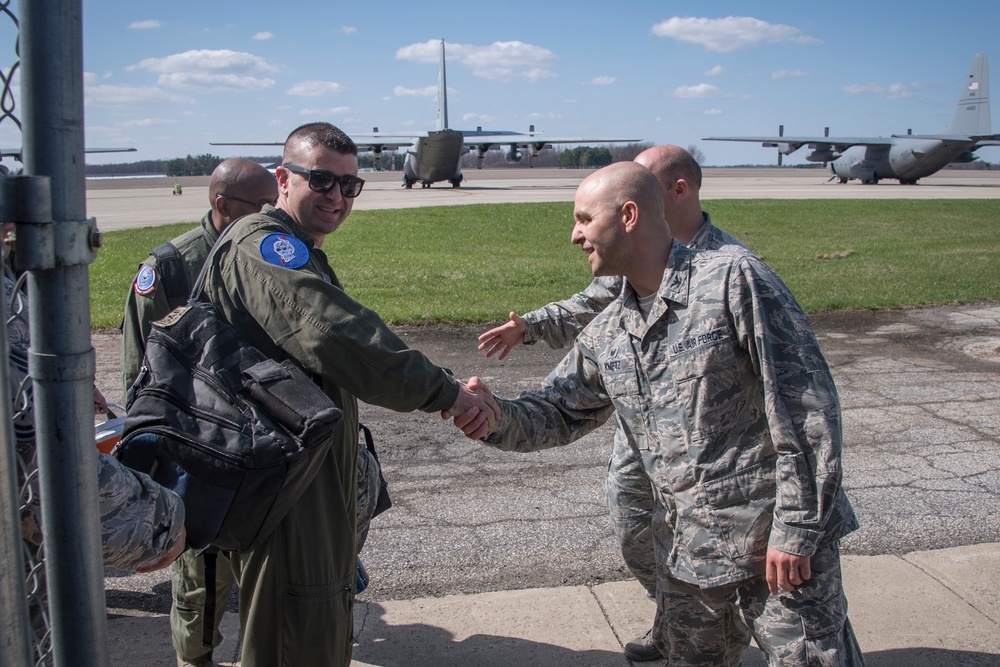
point(475, 410)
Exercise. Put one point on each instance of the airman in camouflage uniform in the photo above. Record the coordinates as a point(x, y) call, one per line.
point(140, 520)
point(722, 391)
point(629, 491)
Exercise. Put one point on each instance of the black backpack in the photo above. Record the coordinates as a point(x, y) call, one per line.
point(237, 435)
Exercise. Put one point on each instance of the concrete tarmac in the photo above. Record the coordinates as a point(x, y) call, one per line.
point(125, 203)
point(495, 559)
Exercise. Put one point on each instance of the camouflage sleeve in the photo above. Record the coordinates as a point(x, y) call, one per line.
point(145, 304)
point(139, 518)
point(800, 399)
point(571, 405)
point(560, 322)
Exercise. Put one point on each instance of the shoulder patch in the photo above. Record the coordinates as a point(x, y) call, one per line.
point(145, 281)
point(284, 250)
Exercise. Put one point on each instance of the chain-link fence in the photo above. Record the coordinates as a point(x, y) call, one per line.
point(29, 506)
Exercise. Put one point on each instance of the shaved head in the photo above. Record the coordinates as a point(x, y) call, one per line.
point(623, 182)
point(244, 178)
point(669, 163)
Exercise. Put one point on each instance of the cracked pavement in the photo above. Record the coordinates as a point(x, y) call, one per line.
point(920, 391)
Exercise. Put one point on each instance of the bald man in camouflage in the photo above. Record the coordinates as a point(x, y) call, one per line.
point(721, 390)
point(629, 493)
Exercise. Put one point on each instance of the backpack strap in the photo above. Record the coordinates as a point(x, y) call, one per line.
point(173, 278)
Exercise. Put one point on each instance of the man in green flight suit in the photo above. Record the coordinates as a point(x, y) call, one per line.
point(272, 281)
point(236, 188)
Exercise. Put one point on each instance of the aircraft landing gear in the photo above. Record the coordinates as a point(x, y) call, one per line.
point(425, 185)
point(456, 182)
point(843, 179)
point(408, 182)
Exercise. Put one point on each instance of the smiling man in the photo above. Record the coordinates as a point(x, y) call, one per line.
point(272, 281)
point(723, 393)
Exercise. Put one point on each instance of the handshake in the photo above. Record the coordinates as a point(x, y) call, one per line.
point(475, 411)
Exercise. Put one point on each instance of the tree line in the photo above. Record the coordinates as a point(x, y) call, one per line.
point(581, 157)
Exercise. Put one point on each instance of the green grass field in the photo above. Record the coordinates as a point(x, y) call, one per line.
point(476, 263)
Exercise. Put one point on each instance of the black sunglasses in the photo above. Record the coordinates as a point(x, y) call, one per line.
point(323, 181)
point(257, 204)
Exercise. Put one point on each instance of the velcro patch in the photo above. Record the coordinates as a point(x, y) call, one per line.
point(284, 250)
point(145, 281)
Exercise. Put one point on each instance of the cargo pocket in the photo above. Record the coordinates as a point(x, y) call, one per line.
point(743, 505)
point(318, 624)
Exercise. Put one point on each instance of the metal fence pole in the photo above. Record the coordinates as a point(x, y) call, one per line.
point(61, 359)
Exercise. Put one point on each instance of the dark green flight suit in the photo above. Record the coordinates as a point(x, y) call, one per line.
point(297, 587)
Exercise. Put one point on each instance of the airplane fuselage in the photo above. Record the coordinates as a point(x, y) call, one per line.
point(435, 157)
point(905, 159)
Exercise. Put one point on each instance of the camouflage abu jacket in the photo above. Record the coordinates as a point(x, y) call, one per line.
point(559, 322)
point(727, 398)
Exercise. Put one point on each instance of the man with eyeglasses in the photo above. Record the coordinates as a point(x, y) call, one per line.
point(272, 281)
point(237, 187)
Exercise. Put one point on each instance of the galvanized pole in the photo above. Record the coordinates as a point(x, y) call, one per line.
point(61, 359)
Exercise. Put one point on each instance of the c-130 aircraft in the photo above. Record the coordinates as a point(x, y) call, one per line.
point(906, 157)
point(436, 155)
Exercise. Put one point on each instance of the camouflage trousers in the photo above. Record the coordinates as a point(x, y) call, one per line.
point(187, 609)
point(713, 627)
point(630, 504)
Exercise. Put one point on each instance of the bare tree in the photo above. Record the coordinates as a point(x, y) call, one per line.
point(696, 153)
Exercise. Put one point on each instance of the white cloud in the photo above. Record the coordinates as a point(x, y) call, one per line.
point(148, 24)
point(499, 61)
point(426, 91)
point(712, 112)
point(478, 117)
point(788, 73)
point(113, 95)
point(263, 35)
point(348, 30)
point(543, 116)
point(892, 91)
point(602, 81)
point(149, 122)
point(700, 90)
point(715, 71)
point(731, 33)
point(212, 70)
point(332, 111)
point(315, 88)
point(570, 100)
point(537, 73)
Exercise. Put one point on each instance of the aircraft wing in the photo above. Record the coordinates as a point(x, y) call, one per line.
point(16, 152)
point(478, 138)
point(790, 144)
point(363, 141)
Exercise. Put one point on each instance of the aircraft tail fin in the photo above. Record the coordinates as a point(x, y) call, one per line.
point(972, 116)
point(442, 94)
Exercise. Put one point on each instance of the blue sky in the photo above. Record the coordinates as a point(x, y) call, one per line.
point(168, 78)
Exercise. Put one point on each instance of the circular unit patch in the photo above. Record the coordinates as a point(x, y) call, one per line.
point(145, 281)
point(284, 250)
